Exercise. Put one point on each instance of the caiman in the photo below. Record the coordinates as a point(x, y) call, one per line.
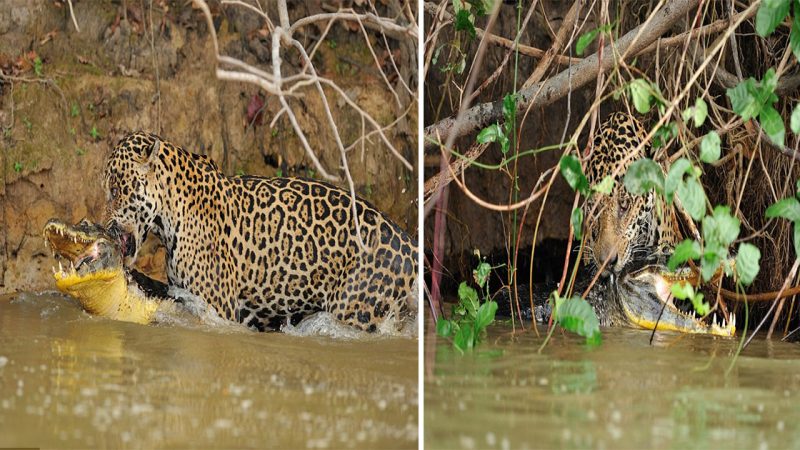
point(639, 297)
point(96, 278)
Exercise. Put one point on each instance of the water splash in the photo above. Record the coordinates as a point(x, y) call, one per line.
point(326, 324)
point(191, 310)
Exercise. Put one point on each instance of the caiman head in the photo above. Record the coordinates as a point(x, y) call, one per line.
point(645, 299)
point(95, 275)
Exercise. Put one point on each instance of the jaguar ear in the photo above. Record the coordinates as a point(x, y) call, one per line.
point(152, 153)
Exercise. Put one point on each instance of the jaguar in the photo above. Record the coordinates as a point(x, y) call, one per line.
point(624, 227)
point(262, 251)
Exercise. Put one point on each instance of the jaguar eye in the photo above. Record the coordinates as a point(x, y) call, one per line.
point(623, 204)
point(114, 192)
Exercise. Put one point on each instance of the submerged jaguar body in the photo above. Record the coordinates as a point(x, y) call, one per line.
point(262, 251)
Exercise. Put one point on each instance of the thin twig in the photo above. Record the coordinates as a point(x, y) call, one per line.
point(72, 14)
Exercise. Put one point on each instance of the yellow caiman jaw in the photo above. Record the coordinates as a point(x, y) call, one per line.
point(655, 308)
point(690, 323)
point(722, 328)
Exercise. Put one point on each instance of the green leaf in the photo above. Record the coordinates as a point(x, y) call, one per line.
point(464, 23)
point(693, 198)
point(642, 94)
point(509, 107)
point(458, 65)
point(709, 147)
point(605, 186)
point(584, 40)
point(682, 290)
point(788, 208)
point(644, 174)
point(726, 226)
point(685, 291)
point(490, 134)
point(747, 262)
point(794, 122)
point(796, 240)
point(770, 15)
point(572, 172)
point(699, 305)
point(576, 315)
point(687, 114)
point(464, 339)
point(686, 250)
point(37, 66)
point(481, 273)
point(700, 112)
point(720, 229)
point(709, 265)
point(772, 123)
point(767, 86)
point(505, 143)
point(444, 327)
point(742, 101)
point(468, 298)
point(697, 113)
point(675, 177)
point(794, 35)
point(485, 315)
point(664, 134)
point(480, 7)
point(577, 222)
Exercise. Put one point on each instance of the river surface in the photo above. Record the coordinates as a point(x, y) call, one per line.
point(71, 380)
point(625, 393)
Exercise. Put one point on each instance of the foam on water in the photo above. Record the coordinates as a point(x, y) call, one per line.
point(192, 310)
point(326, 324)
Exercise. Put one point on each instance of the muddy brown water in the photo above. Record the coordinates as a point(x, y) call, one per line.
point(71, 380)
point(623, 394)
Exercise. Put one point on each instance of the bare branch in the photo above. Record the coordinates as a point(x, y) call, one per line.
point(72, 14)
point(384, 24)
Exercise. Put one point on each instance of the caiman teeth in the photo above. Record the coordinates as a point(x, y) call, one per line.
point(60, 267)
